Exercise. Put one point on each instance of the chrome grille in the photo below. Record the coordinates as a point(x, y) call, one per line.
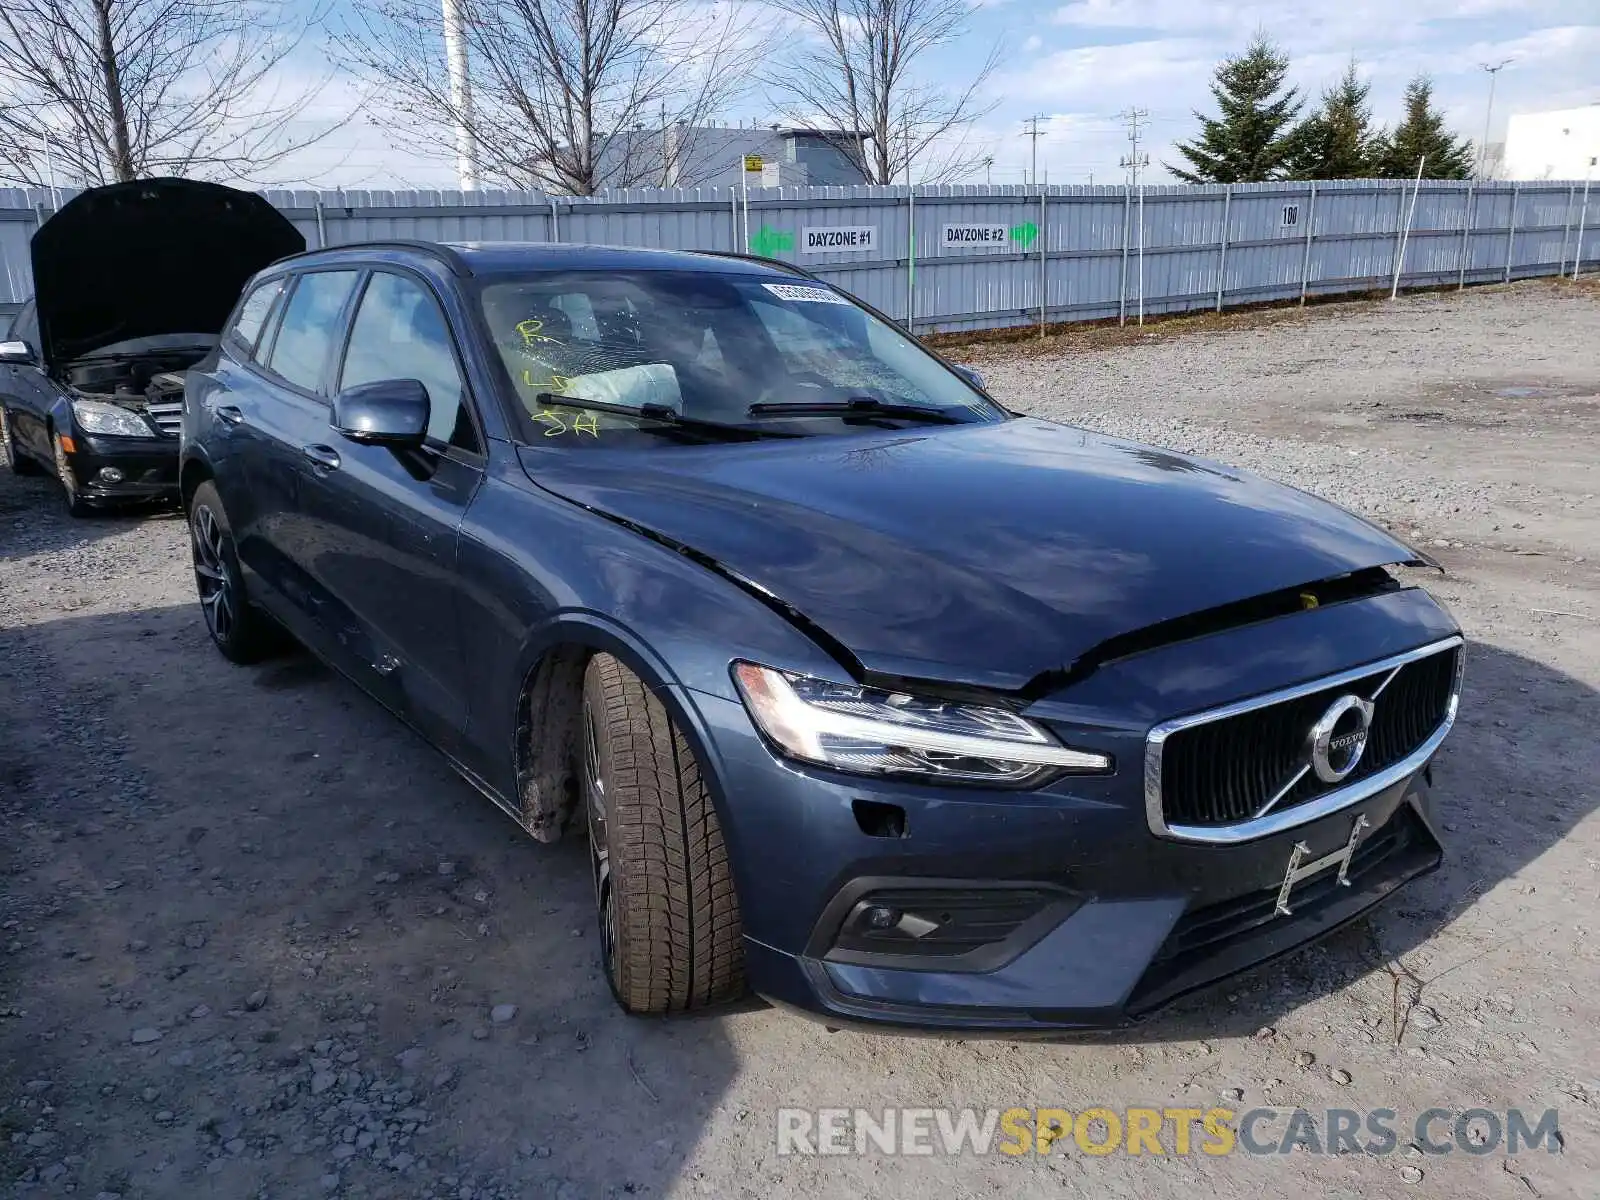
point(166, 415)
point(1245, 770)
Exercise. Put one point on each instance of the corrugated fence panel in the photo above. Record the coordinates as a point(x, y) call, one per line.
point(973, 257)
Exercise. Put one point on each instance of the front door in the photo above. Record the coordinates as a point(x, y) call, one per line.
point(385, 521)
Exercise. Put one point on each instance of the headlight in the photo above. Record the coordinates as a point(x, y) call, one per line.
point(887, 733)
point(94, 417)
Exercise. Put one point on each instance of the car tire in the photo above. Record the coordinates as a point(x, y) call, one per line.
point(77, 506)
point(243, 633)
point(671, 937)
point(16, 461)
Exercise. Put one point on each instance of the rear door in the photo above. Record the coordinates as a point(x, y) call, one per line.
point(387, 520)
point(286, 412)
point(224, 406)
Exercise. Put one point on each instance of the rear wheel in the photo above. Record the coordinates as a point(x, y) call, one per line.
point(77, 506)
point(669, 918)
point(16, 461)
point(242, 632)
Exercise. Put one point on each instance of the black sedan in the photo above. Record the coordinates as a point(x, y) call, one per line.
point(867, 693)
point(132, 283)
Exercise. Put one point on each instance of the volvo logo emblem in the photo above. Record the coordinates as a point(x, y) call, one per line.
point(1339, 737)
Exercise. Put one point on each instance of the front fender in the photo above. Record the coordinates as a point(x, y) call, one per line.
point(538, 574)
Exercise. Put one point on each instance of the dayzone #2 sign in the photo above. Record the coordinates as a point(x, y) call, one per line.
point(960, 237)
point(838, 239)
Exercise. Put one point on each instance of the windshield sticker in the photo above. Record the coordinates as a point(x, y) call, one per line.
point(813, 295)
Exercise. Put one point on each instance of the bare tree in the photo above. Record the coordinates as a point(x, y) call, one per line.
point(857, 66)
point(113, 90)
point(567, 95)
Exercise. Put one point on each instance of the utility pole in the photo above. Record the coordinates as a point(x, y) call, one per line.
point(988, 168)
point(1034, 132)
point(1133, 162)
point(455, 54)
point(1494, 70)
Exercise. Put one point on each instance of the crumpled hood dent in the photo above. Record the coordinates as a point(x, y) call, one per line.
point(984, 555)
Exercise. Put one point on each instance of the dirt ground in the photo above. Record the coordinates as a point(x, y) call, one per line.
point(253, 935)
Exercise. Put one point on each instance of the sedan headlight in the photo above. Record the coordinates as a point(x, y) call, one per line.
point(874, 732)
point(93, 416)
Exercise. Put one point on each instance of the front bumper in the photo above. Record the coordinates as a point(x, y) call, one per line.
point(1115, 958)
point(148, 467)
point(1133, 920)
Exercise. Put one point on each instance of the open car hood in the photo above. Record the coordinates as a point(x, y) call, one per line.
point(983, 555)
point(156, 256)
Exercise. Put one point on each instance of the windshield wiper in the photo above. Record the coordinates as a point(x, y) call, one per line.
point(663, 415)
point(867, 406)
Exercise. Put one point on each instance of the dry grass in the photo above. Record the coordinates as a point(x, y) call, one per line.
point(1069, 337)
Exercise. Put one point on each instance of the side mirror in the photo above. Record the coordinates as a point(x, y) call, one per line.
point(971, 376)
point(17, 354)
point(390, 412)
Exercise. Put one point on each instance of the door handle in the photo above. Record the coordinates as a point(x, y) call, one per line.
point(321, 458)
point(228, 414)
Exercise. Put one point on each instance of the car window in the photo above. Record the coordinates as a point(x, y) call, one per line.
point(400, 333)
point(309, 326)
point(710, 347)
point(247, 326)
point(25, 327)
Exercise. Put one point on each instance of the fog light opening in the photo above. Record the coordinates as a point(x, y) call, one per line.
point(110, 475)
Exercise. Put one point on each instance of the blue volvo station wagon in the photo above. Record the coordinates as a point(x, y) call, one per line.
point(868, 695)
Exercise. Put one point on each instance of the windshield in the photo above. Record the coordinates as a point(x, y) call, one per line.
point(695, 350)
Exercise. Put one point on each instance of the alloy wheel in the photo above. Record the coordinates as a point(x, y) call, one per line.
point(594, 803)
point(8, 453)
point(64, 468)
point(211, 576)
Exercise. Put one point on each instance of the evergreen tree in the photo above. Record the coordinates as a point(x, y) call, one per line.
point(1421, 135)
point(1336, 141)
point(1248, 140)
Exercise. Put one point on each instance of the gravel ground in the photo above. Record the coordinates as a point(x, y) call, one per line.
point(255, 940)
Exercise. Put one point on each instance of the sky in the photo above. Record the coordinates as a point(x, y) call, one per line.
point(1082, 63)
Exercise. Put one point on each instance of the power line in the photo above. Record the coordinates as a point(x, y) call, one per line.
point(1135, 119)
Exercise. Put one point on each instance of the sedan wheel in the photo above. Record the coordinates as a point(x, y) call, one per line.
point(242, 632)
point(669, 923)
point(76, 505)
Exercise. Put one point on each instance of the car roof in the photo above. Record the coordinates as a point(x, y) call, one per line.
point(467, 259)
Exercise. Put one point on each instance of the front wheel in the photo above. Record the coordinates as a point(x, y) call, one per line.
point(242, 632)
point(77, 506)
point(669, 919)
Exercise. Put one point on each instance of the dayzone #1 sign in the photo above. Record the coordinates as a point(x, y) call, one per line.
point(837, 239)
point(958, 237)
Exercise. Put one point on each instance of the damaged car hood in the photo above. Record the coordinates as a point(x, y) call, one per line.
point(981, 554)
point(152, 257)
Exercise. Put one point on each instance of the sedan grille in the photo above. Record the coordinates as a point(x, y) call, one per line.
point(166, 415)
point(1235, 768)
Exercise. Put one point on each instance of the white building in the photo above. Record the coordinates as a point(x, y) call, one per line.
point(1564, 144)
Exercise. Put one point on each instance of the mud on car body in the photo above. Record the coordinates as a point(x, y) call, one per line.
point(865, 692)
point(132, 283)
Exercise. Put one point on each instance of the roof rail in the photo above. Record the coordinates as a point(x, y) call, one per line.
point(457, 264)
point(762, 259)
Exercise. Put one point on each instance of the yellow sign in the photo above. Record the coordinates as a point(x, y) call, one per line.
point(752, 162)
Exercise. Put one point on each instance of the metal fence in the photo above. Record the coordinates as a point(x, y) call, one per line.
point(980, 257)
